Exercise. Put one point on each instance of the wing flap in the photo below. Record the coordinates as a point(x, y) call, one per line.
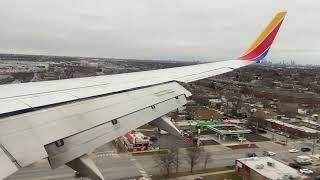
point(7, 167)
point(84, 142)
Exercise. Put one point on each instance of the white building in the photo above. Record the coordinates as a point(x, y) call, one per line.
point(261, 168)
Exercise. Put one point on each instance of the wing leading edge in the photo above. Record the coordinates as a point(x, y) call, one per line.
point(32, 102)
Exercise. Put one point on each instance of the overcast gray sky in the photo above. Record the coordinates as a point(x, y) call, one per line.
point(164, 29)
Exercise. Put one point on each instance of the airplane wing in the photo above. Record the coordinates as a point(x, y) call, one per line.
point(64, 120)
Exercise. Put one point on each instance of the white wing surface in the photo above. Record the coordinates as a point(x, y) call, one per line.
point(17, 97)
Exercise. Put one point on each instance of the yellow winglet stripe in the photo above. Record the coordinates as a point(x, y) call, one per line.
point(276, 20)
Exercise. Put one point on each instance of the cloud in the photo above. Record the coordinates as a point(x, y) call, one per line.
point(167, 29)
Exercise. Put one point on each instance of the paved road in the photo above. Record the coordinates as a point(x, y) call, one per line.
point(191, 177)
point(124, 166)
point(112, 167)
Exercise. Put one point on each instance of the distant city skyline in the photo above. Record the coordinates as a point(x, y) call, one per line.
point(205, 30)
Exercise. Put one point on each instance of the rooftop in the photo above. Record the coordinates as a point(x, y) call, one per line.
point(207, 115)
point(270, 168)
point(228, 129)
point(301, 128)
point(311, 122)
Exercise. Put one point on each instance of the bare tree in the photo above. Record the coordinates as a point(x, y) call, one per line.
point(259, 117)
point(207, 159)
point(169, 160)
point(201, 100)
point(175, 150)
point(193, 156)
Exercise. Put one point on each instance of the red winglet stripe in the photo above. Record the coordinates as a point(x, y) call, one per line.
point(263, 46)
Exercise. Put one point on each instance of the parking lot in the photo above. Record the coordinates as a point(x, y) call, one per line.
point(164, 141)
point(253, 137)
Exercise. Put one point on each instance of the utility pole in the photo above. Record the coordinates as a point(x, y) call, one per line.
point(286, 134)
point(198, 141)
point(313, 144)
point(273, 139)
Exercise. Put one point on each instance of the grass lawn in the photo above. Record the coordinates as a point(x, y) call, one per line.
point(179, 174)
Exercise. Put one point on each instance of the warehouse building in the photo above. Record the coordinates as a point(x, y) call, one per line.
point(266, 168)
point(293, 130)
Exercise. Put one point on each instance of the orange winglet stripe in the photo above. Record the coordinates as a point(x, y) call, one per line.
point(272, 25)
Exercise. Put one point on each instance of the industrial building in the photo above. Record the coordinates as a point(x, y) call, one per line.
point(262, 168)
point(293, 130)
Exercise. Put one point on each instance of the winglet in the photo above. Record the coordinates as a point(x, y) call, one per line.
point(259, 49)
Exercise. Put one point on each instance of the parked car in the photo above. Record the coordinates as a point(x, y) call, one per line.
point(163, 132)
point(294, 165)
point(316, 156)
point(317, 177)
point(293, 150)
point(304, 160)
point(241, 139)
point(306, 171)
point(305, 149)
point(251, 154)
point(199, 178)
point(269, 153)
